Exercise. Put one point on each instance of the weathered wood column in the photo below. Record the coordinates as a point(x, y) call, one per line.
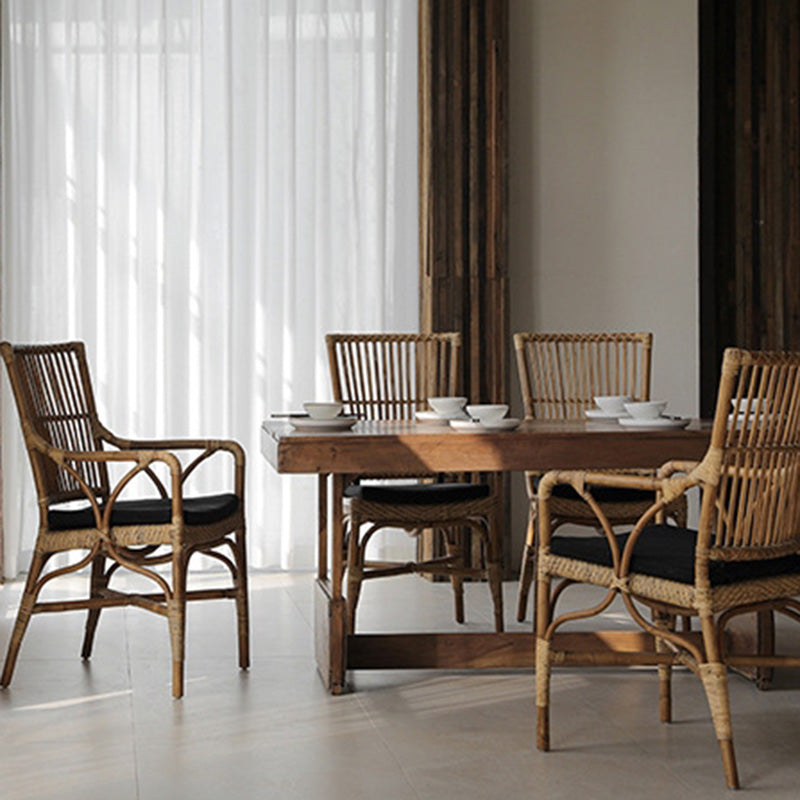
point(463, 93)
point(463, 146)
point(749, 180)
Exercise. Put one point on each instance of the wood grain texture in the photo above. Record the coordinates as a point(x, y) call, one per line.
point(408, 448)
point(463, 74)
point(463, 154)
point(749, 180)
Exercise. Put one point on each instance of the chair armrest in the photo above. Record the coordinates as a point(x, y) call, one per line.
point(208, 446)
point(174, 444)
point(578, 479)
point(671, 467)
point(141, 459)
point(666, 489)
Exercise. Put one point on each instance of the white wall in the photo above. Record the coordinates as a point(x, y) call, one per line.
point(604, 179)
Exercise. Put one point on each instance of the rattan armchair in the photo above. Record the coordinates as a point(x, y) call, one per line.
point(390, 377)
point(559, 375)
point(742, 559)
point(81, 509)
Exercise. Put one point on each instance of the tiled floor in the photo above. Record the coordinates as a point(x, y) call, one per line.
point(109, 728)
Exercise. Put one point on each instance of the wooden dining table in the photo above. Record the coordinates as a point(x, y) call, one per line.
point(409, 448)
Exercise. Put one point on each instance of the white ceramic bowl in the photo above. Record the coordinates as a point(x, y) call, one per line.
point(646, 409)
point(488, 413)
point(755, 404)
point(447, 407)
point(322, 410)
point(612, 403)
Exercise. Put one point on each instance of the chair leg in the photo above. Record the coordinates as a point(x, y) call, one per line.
point(494, 562)
point(176, 614)
point(528, 566)
point(766, 647)
point(496, 588)
point(23, 616)
point(715, 682)
point(455, 550)
point(97, 583)
point(666, 621)
point(242, 602)
point(542, 666)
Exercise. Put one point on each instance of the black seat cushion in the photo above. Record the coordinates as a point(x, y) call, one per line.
point(665, 551)
point(418, 493)
point(603, 494)
point(149, 511)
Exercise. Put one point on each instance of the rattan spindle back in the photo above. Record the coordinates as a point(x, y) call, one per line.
point(757, 439)
point(53, 393)
point(561, 373)
point(391, 376)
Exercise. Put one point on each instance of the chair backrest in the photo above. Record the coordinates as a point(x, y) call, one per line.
point(53, 393)
point(392, 375)
point(561, 373)
point(751, 508)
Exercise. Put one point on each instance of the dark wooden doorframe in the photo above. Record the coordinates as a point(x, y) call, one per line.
point(749, 165)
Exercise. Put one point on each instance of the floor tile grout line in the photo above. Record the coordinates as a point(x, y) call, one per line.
point(388, 747)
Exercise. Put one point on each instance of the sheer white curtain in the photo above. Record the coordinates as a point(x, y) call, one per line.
point(200, 190)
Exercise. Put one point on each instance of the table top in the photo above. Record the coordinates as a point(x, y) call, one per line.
point(400, 447)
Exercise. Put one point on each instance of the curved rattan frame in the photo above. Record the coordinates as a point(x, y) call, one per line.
point(65, 443)
point(750, 484)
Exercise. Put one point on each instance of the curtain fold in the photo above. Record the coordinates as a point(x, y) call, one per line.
point(200, 190)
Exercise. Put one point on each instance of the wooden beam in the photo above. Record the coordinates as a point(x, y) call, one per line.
point(463, 154)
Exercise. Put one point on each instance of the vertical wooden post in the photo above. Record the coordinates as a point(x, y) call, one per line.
point(2, 271)
point(749, 180)
point(463, 151)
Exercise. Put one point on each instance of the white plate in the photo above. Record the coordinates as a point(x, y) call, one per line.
point(470, 426)
point(432, 418)
point(598, 413)
point(658, 422)
point(335, 424)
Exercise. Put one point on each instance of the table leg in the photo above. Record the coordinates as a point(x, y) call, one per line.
point(322, 527)
point(330, 612)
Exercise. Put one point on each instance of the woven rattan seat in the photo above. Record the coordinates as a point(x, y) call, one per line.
point(85, 508)
point(389, 377)
point(743, 558)
point(560, 374)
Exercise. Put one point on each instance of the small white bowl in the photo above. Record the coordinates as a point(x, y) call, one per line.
point(322, 410)
point(447, 407)
point(612, 403)
point(488, 413)
point(646, 409)
point(755, 404)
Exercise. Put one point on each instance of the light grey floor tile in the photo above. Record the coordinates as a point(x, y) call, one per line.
point(109, 727)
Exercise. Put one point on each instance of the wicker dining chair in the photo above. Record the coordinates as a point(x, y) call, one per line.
point(390, 377)
point(560, 374)
point(82, 506)
point(742, 559)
